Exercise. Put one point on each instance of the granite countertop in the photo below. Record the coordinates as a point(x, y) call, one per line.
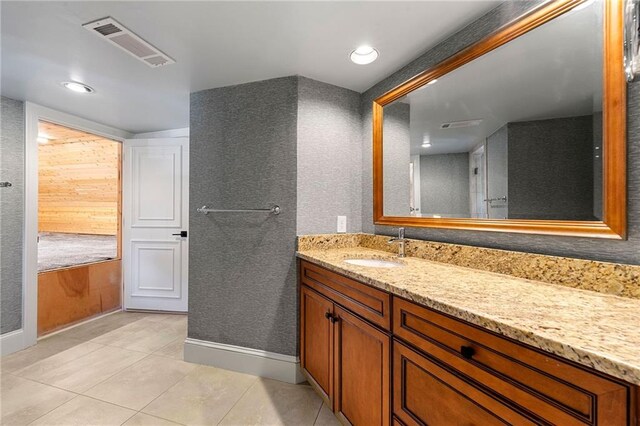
point(597, 330)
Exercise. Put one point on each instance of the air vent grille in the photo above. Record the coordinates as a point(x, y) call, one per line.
point(156, 60)
point(105, 30)
point(117, 34)
point(459, 124)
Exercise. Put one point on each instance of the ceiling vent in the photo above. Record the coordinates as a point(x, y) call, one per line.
point(117, 34)
point(460, 124)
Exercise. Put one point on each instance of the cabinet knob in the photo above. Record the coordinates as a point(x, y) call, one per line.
point(327, 315)
point(334, 319)
point(467, 352)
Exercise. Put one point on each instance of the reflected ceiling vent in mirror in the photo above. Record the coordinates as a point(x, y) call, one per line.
point(117, 34)
point(459, 124)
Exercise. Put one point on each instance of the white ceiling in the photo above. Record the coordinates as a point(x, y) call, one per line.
point(215, 44)
point(553, 71)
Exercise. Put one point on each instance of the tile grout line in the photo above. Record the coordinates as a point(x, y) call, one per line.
point(255, 382)
point(75, 394)
point(47, 384)
point(54, 408)
point(63, 363)
point(318, 413)
point(167, 390)
point(114, 374)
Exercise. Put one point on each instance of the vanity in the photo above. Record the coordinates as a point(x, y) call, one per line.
point(522, 132)
point(426, 343)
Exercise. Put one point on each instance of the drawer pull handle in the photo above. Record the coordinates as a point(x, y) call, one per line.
point(467, 352)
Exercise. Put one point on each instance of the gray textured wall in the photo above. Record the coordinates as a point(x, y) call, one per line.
point(12, 213)
point(616, 251)
point(397, 156)
point(242, 273)
point(329, 157)
point(551, 169)
point(444, 185)
point(497, 171)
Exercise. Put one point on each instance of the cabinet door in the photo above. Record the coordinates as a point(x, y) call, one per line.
point(426, 393)
point(362, 371)
point(316, 341)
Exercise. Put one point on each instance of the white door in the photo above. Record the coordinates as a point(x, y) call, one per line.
point(155, 213)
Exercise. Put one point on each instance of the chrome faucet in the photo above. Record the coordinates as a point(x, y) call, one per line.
point(402, 242)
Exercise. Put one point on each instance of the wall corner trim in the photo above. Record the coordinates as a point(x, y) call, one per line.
point(12, 341)
point(285, 368)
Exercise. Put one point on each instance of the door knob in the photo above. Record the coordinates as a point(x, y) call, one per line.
point(182, 234)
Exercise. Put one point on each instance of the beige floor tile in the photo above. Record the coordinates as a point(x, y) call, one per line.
point(83, 411)
point(176, 319)
point(138, 385)
point(173, 350)
point(144, 335)
point(23, 401)
point(202, 398)
point(326, 417)
point(44, 349)
point(103, 325)
point(142, 419)
point(54, 361)
point(270, 402)
point(89, 370)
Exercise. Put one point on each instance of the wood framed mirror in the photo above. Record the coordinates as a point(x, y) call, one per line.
point(523, 131)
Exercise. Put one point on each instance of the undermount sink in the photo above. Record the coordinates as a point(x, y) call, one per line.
point(374, 263)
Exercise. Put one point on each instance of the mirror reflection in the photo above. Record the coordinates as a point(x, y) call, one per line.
point(514, 134)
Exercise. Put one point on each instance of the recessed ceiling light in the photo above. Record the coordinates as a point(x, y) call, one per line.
point(426, 145)
point(434, 81)
point(77, 87)
point(364, 55)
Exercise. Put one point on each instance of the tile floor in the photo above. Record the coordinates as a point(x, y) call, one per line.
point(127, 369)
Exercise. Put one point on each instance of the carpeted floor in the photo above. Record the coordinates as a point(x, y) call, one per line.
point(56, 250)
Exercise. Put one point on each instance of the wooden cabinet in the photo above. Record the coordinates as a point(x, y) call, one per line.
point(316, 341)
point(361, 354)
point(367, 302)
point(345, 357)
point(357, 341)
point(555, 391)
point(428, 393)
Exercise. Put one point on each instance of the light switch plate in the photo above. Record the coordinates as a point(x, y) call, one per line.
point(342, 224)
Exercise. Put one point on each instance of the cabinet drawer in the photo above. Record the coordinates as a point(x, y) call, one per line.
point(428, 393)
point(368, 302)
point(558, 392)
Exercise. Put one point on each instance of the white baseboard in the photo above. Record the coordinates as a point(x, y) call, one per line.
point(285, 368)
point(11, 342)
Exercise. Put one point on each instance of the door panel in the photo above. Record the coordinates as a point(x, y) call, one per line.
point(155, 207)
point(156, 186)
point(361, 398)
point(316, 333)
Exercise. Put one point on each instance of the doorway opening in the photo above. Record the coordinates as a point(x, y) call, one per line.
point(79, 226)
point(477, 183)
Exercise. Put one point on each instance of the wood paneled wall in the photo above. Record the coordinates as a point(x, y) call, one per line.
point(67, 296)
point(79, 185)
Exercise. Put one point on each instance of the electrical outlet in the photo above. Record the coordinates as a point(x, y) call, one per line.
point(342, 224)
